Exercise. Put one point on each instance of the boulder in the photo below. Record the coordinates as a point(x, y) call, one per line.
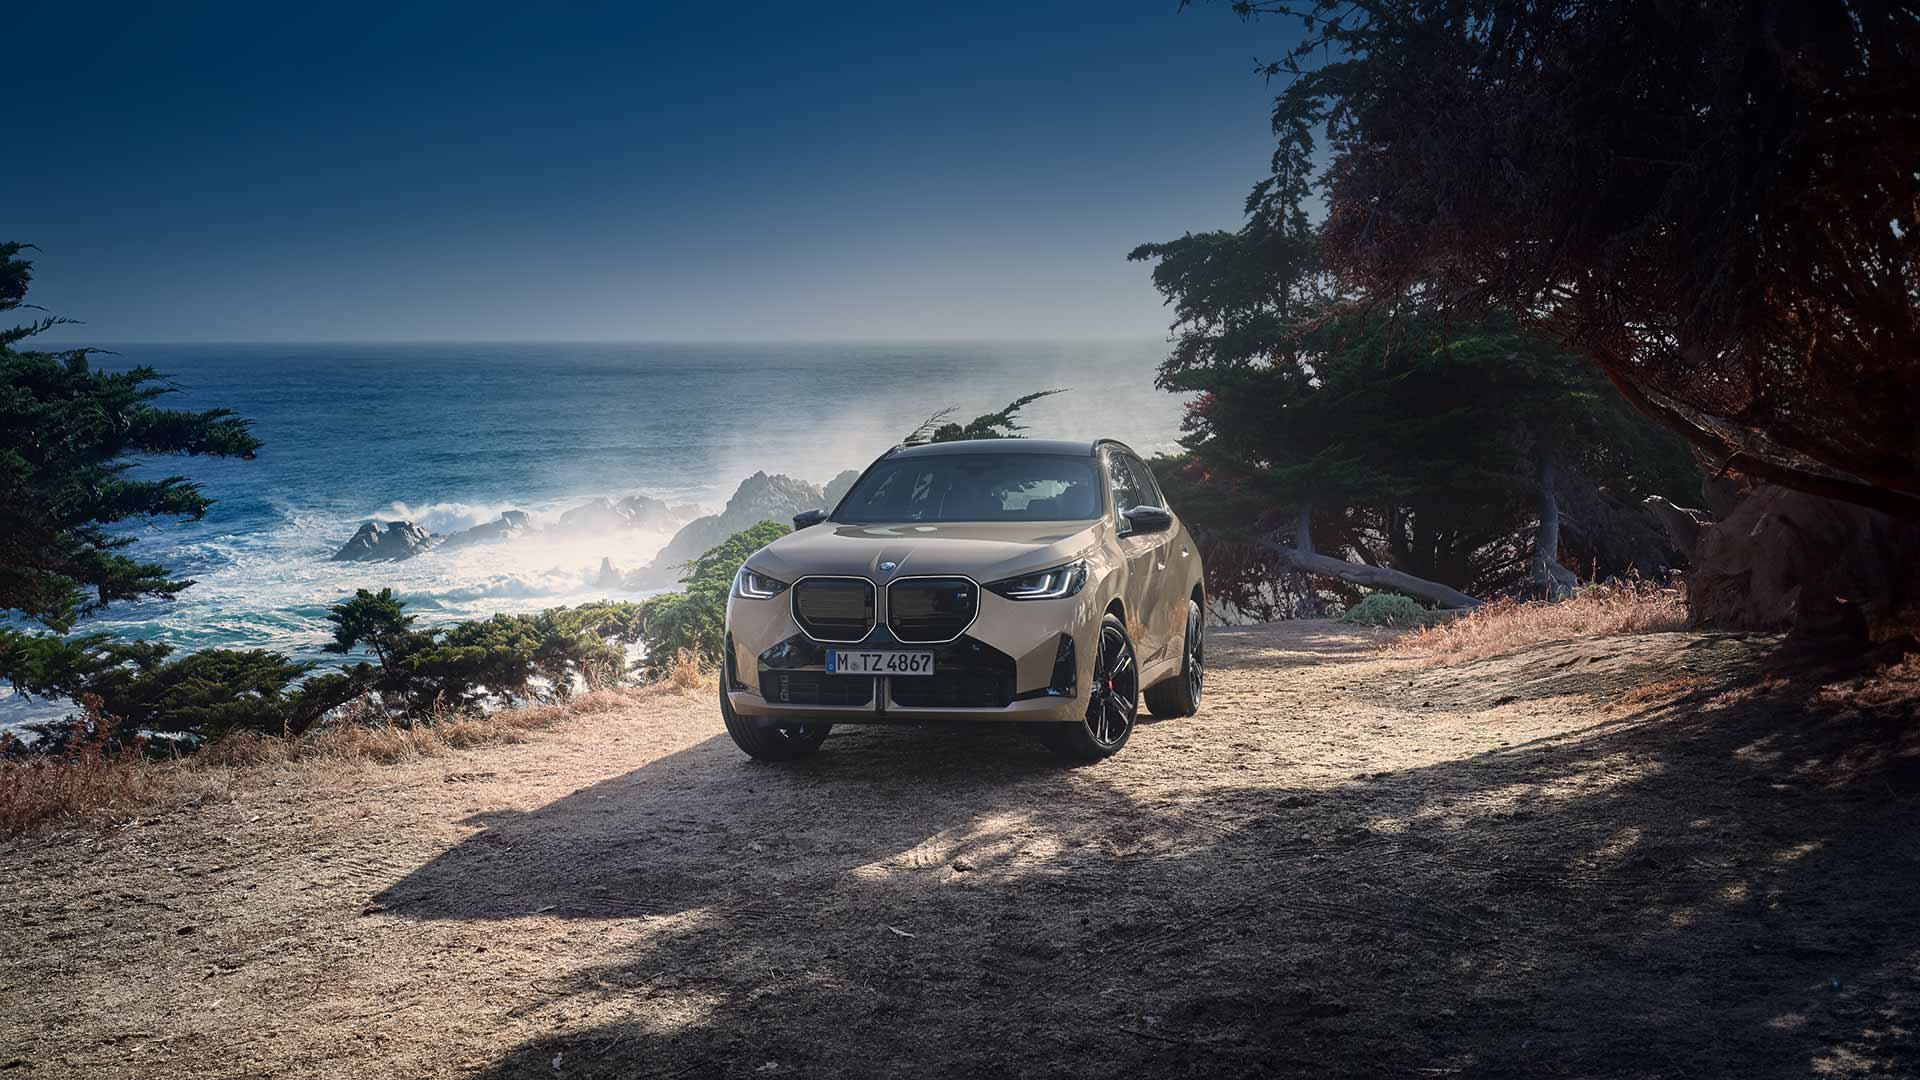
point(1786, 560)
point(759, 498)
point(508, 526)
point(389, 541)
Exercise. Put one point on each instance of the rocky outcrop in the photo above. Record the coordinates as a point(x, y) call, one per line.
point(759, 497)
point(510, 525)
point(629, 512)
point(392, 540)
point(609, 576)
point(385, 541)
point(837, 488)
point(597, 515)
point(1784, 560)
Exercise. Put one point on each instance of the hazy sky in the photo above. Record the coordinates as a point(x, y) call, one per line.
point(561, 171)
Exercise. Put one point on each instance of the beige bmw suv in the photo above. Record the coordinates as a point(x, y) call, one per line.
point(1044, 583)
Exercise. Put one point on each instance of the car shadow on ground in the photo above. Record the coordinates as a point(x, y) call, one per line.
point(1718, 883)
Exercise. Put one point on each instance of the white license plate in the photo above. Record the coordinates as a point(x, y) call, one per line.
point(874, 662)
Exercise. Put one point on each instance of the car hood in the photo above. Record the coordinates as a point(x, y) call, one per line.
point(983, 551)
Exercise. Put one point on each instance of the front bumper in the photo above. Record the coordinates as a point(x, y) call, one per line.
point(1017, 661)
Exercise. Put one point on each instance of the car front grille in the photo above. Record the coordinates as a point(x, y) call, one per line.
point(959, 690)
point(815, 688)
point(834, 609)
point(925, 610)
point(969, 674)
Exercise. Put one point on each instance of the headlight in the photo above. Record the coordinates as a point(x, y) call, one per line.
point(754, 585)
point(1057, 583)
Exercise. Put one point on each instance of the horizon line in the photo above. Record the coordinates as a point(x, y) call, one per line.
point(1029, 340)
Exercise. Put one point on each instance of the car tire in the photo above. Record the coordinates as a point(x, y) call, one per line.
point(1180, 694)
point(1113, 701)
point(772, 742)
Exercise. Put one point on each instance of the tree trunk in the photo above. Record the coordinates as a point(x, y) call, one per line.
point(1303, 541)
point(1556, 582)
point(1306, 560)
point(1887, 500)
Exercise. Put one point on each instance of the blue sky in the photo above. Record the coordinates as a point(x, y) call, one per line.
point(414, 171)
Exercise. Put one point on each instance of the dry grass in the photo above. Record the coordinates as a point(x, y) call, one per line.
point(1506, 626)
point(92, 786)
point(686, 672)
point(88, 783)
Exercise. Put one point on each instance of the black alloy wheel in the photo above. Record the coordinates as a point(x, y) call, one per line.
point(1180, 694)
point(1113, 701)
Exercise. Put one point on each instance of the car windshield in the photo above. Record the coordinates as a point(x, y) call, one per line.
point(974, 487)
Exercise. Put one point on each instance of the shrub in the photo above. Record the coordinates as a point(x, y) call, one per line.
point(694, 621)
point(1388, 609)
point(137, 689)
point(515, 659)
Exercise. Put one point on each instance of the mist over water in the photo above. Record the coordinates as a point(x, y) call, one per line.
point(449, 436)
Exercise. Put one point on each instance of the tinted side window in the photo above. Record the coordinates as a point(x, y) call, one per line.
point(1126, 486)
point(1149, 487)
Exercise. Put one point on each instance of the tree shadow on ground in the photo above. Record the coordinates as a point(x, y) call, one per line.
point(1716, 881)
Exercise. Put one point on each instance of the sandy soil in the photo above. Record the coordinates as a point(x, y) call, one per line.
point(1626, 857)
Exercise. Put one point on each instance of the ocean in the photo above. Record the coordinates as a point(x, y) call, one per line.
point(451, 435)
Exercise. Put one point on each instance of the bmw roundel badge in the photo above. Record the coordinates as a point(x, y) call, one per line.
point(888, 565)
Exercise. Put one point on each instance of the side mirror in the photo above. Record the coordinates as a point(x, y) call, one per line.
point(1148, 519)
point(806, 519)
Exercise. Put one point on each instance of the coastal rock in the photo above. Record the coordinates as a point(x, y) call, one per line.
point(598, 515)
point(647, 512)
point(609, 576)
point(510, 525)
point(768, 498)
point(389, 541)
point(760, 497)
point(837, 489)
point(630, 512)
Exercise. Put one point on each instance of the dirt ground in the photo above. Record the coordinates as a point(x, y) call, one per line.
point(1642, 857)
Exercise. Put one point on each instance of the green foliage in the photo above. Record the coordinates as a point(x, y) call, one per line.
point(993, 425)
point(507, 658)
point(67, 432)
point(146, 690)
point(1712, 203)
point(416, 675)
point(376, 620)
point(1416, 441)
point(1388, 609)
point(695, 619)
